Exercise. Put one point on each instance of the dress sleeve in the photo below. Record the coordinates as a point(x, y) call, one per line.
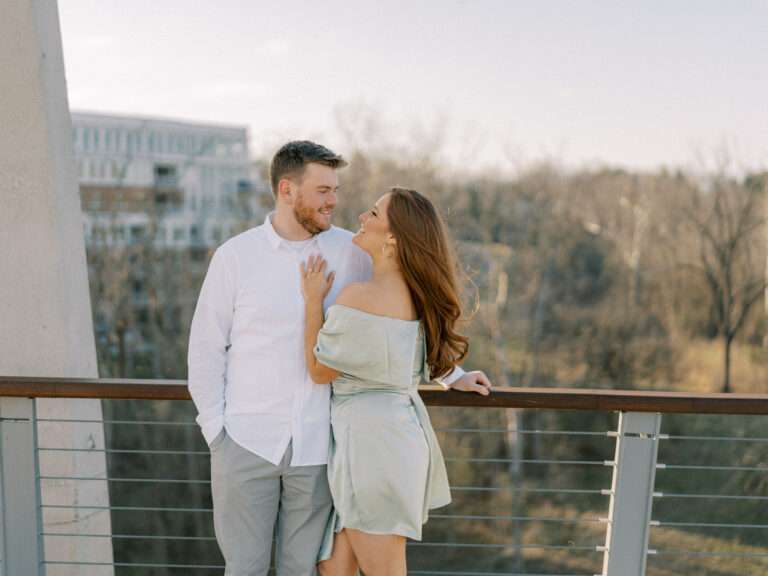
point(364, 347)
point(347, 344)
point(329, 349)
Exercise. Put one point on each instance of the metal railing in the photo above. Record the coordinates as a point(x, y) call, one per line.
point(544, 482)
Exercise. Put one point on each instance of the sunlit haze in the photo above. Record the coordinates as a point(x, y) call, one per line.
point(494, 82)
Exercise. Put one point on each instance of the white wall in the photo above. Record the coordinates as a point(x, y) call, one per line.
point(45, 313)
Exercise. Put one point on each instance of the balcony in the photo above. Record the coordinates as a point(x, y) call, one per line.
point(626, 483)
point(131, 199)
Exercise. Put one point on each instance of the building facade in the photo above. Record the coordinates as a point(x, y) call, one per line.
point(157, 197)
point(180, 184)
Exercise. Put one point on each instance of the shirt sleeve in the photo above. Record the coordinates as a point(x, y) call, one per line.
point(451, 377)
point(209, 339)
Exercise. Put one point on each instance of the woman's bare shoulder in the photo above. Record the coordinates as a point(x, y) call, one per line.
point(357, 295)
point(373, 299)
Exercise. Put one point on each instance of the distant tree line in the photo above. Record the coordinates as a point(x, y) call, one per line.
point(594, 278)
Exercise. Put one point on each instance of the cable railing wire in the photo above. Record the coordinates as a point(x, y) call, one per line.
point(460, 515)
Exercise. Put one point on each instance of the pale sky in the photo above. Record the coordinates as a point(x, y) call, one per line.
point(499, 82)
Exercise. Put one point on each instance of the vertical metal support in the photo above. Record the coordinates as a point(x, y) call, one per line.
point(21, 516)
point(626, 542)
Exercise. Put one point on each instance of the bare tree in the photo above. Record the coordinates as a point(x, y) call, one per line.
point(728, 220)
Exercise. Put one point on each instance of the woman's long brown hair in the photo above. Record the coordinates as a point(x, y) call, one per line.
point(429, 267)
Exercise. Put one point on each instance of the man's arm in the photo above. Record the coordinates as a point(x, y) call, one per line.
point(208, 343)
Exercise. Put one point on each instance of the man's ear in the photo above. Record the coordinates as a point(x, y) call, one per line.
point(285, 190)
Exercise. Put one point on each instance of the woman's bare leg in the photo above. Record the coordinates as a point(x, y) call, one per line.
point(378, 554)
point(342, 561)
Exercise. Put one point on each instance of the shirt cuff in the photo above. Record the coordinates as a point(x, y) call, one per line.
point(451, 377)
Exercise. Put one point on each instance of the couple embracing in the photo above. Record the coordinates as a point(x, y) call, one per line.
point(306, 349)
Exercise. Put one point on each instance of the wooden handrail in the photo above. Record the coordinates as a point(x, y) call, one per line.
point(531, 398)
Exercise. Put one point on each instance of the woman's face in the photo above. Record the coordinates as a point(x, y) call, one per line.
point(374, 227)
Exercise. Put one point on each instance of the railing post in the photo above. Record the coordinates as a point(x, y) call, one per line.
point(20, 514)
point(626, 542)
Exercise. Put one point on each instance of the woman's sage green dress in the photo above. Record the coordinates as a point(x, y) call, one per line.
point(385, 468)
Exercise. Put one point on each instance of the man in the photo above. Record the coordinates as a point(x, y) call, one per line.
point(266, 422)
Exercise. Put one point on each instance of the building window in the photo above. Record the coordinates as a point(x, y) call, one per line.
point(161, 199)
point(165, 176)
point(137, 233)
point(142, 316)
point(178, 234)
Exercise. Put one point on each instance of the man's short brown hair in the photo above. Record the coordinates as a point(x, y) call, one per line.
point(293, 157)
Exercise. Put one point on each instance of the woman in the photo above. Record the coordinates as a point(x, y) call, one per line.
point(379, 341)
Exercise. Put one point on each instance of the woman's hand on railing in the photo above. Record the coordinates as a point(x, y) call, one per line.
point(475, 381)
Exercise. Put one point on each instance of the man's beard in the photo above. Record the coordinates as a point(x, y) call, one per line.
point(307, 218)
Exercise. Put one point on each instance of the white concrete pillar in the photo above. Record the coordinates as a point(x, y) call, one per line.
point(45, 313)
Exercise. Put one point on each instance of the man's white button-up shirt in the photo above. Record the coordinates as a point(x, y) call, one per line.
point(247, 371)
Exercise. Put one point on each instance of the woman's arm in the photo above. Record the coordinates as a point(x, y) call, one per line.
point(475, 381)
point(314, 286)
point(319, 373)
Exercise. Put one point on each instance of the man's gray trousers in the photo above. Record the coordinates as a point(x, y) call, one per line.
point(254, 500)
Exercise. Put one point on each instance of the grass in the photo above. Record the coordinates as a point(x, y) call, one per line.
point(701, 368)
point(698, 367)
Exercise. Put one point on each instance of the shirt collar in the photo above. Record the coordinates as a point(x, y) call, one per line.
point(275, 240)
